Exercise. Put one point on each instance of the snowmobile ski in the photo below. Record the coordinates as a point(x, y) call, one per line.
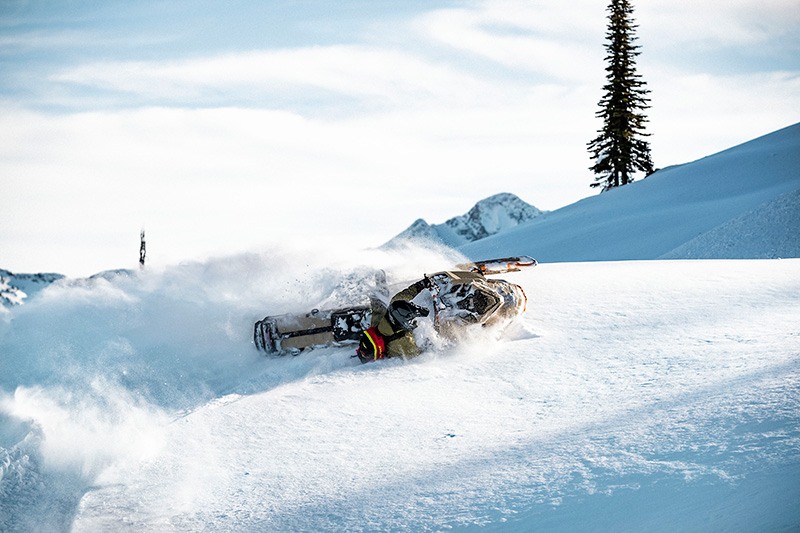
point(503, 265)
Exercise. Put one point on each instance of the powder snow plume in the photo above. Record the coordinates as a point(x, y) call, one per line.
point(93, 370)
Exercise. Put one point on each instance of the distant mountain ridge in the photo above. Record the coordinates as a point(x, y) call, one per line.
point(488, 217)
point(15, 288)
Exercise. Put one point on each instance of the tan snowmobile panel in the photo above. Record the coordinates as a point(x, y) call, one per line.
point(307, 341)
point(318, 328)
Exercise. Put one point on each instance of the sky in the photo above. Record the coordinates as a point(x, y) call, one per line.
point(228, 127)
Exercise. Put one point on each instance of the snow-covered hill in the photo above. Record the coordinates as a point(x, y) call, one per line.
point(739, 203)
point(15, 288)
point(489, 216)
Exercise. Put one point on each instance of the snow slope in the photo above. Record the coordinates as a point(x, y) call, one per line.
point(658, 216)
point(666, 397)
point(770, 230)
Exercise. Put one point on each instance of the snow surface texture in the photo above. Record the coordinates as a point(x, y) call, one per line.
point(665, 397)
point(771, 230)
point(490, 216)
point(661, 215)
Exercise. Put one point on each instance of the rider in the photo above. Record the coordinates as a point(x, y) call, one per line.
point(391, 332)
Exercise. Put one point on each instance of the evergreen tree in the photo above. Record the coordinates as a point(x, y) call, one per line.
point(619, 150)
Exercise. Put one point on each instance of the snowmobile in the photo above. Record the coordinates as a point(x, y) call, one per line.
point(461, 297)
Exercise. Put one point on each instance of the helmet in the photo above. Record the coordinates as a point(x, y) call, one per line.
point(403, 314)
point(371, 346)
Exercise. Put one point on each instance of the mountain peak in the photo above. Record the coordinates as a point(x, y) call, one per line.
point(491, 216)
point(486, 218)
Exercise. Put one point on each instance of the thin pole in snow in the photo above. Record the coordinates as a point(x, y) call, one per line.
point(142, 251)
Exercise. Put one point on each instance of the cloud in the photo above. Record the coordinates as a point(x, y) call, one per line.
point(547, 38)
point(718, 23)
point(227, 179)
point(71, 38)
point(563, 42)
point(353, 71)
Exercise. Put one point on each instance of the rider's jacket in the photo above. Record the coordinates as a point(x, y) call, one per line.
point(391, 340)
